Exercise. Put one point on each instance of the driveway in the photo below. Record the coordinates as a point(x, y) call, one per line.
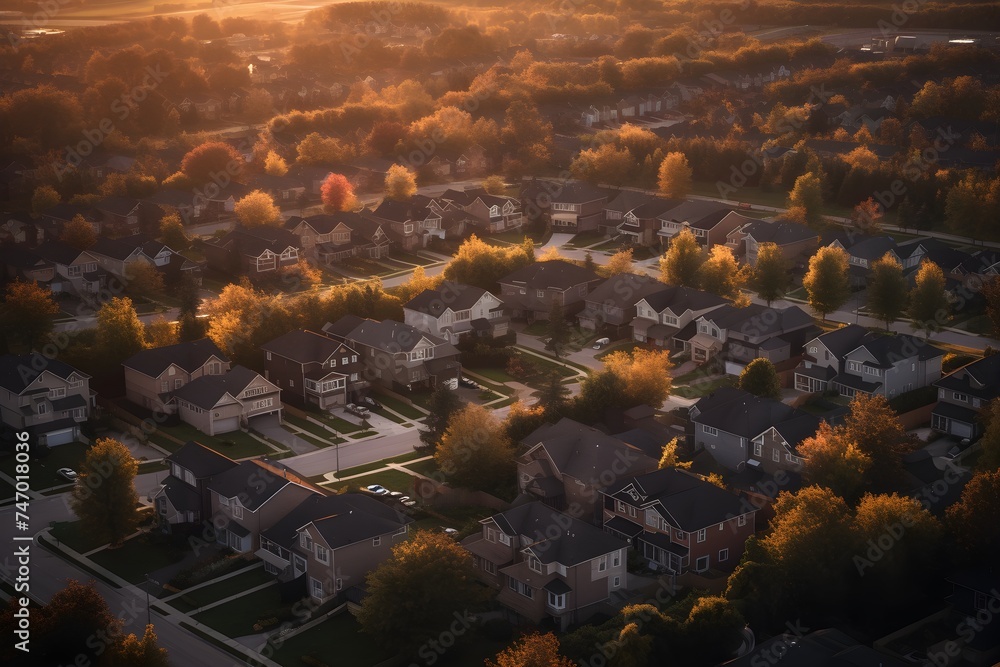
point(271, 426)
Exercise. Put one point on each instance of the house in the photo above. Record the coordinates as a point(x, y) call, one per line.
point(314, 368)
point(183, 496)
point(492, 213)
point(331, 237)
point(285, 190)
point(531, 291)
point(641, 224)
point(331, 542)
point(249, 498)
point(678, 521)
point(739, 429)
point(254, 252)
point(974, 603)
point(795, 241)
point(569, 207)
point(201, 108)
point(412, 221)
point(397, 355)
point(962, 394)
point(665, 318)
point(619, 204)
point(223, 403)
point(863, 251)
point(745, 334)
point(120, 215)
point(709, 221)
point(548, 566)
point(44, 396)
point(611, 307)
point(18, 263)
point(567, 464)
point(152, 375)
point(75, 270)
point(473, 162)
point(116, 255)
point(453, 310)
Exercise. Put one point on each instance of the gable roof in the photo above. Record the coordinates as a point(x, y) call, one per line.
point(200, 460)
point(206, 391)
point(58, 252)
point(555, 537)
point(624, 289)
point(303, 346)
point(389, 335)
point(843, 340)
point(680, 299)
point(555, 274)
point(741, 413)
point(891, 349)
point(341, 519)
point(253, 242)
point(118, 249)
point(980, 378)
point(682, 498)
point(456, 296)
point(583, 452)
point(755, 321)
point(779, 233)
point(189, 356)
point(253, 482)
point(18, 371)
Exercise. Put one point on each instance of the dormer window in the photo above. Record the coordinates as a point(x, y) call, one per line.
point(535, 564)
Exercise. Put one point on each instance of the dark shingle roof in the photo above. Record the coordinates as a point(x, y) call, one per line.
point(555, 537)
point(555, 274)
point(680, 299)
point(207, 390)
point(759, 320)
point(741, 413)
point(200, 460)
point(450, 295)
point(189, 356)
point(624, 290)
point(583, 452)
point(18, 371)
point(365, 518)
point(58, 252)
point(843, 340)
point(388, 335)
point(891, 349)
point(980, 378)
point(780, 233)
point(251, 481)
point(303, 346)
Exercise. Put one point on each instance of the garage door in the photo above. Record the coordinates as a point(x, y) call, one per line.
point(960, 429)
point(226, 425)
point(60, 437)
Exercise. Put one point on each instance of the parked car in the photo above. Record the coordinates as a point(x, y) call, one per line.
point(68, 474)
point(451, 532)
point(601, 342)
point(370, 403)
point(409, 503)
point(469, 384)
point(396, 494)
point(377, 489)
point(451, 383)
point(358, 410)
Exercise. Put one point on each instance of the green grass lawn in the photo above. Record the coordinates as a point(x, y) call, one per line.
point(237, 617)
point(424, 467)
point(335, 641)
point(233, 585)
point(403, 256)
point(134, 559)
point(320, 436)
point(43, 472)
point(235, 445)
point(163, 442)
point(338, 424)
point(375, 465)
point(73, 535)
point(394, 480)
point(363, 434)
point(495, 374)
point(586, 238)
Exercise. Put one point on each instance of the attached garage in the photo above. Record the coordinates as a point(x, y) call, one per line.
point(226, 425)
point(61, 437)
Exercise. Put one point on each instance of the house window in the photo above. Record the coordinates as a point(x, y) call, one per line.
point(741, 520)
point(269, 356)
point(602, 564)
point(491, 535)
point(504, 538)
point(709, 430)
point(651, 518)
point(540, 293)
point(340, 584)
point(960, 397)
point(317, 588)
point(223, 502)
point(512, 583)
point(322, 555)
point(557, 601)
point(237, 510)
point(621, 507)
point(775, 455)
point(462, 315)
point(631, 511)
point(756, 449)
point(42, 408)
point(304, 540)
point(616, 559)
point(376, 541)
point(344, 361)
point(178, 383)
point(265, 403)
point(57, 392)
point(489, 567)
point(526, 591)
point(701, 535)
point(701, 564)
point(535, 564)
point(854, 365)
point(813, 349)
point(723, 555)
point(616, 582)
point(165, 385)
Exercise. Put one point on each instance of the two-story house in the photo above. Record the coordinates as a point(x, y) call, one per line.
point(570, 207)
point(745, 334)
point(397, 355)
point(666, 317)
point(796, 242)
point(183, 497)
point(453, 310)
point(641, 224)
point(567, 464)
point(412, 221)
point(962, 395)
point(116, 255)
point(531, 291)
point(548, 566)
point(253, 252)
point(331, 237)
point(863, 251)
point(314, 368)
point(332, 542)
point(620, 203)
point(492, 213)
point(44, 396)
point(709, 221)
point(741, 430)
point(611, 307)
point(223, 403)
point(678, 521)
point(152, 375)
point(75, 270)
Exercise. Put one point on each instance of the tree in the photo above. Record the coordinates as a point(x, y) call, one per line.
point(438, 576)
point(827, 284)
point(400, 183)
point(990, 442)
point(761, 379)
point(620, 262)
point(495, 185)
point(972, 520)
point(480, 264)
point(442, 405)
point(26, 313)
point(588, 262)
point(337, 194)
point(78, 233)
point(143, 280)
point(928, 308)
point(104, 496)
point(834, 462)
point(721, 274)
point(532, 651)
point(888, 290)
point(867, 217)
point(807, 193)
point(522, 420)
point(43, 198)
point(771, 276)
point(605, 164)
point(475, 452)
point(161, 332)
point(275, 165)
point(991, 292)
point(212, 162)
point(674, 176)
point(680, 264)
point(916, 545)
point(557, 329)
point(645, 375)
point(670, 459)
point(552, 396)
point(120, 333)
point(136, 652)
point(257, 209)
point(66, 630)
point(172, 232)
point(876, 429)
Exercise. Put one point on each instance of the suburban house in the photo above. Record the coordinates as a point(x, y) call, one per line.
point(853, 359)
point(620, 203)
point(741, 430)
point(76, 270)
point(567, 464)
point(251, 497)
point(397, 355)
point(745, 334)
point(18, 263)
point(183, 496)
point(548, 566)
point(314, 368)
point(641, 224)
point(962, 394)
point(863, 251)
point(412, 221)
point(709, 221)
point(531, 291)
point(45, 397)
point(570, 207)
point(453, 310)
point(253, 252)
point(116, 255)
point(331, 542)
point(331, 237)
point(223, 403)
point(678, 521)
point(611, 307)
point(493, 213)
point(666, 317)
point(152, 375)
point(796, 242)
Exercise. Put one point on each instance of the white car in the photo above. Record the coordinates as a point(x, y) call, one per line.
point(397, 494)
point(68, 474)
point(601, 342)
point(358, 410)
point(377, 489)
point(451, 532)
point(409, 503)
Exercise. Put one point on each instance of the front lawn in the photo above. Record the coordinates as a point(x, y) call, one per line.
point(137, 557)
point(235, 445)
point(43, 471)
point(317, 434)
point(339, 425)
point(424, 467)
point(336, 641)
point(237, 617)
point(394, 480)
point(73, 535)
point(196, 599)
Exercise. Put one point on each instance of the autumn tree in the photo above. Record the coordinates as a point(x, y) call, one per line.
point(400, 183)
point(990, 442)
point(522, 420)
point(771, 275)
point(557, 329)
point(257, 209)
point(887, 291)
point(645, 374)
point(143, 280)
point(928, 302)
point(877, 431)
point(680, 264)
point(670, 459)
point(104, 496)
point(172, 233)
point(64, 631)
point(43, 198)
point(78, 233)
point(441, 407)
point(275, 165)
point(674, 176)
point(160, 332)
point(474, 452)
point(26, 314)
point(834, 462)
point(807, 194)
point(604, 164)
point(620, 262)
point(439, 579)
point(972, 520)
point(827, 283)
point(337, 194)
point(867, 217)
point(120, 333)
point(495, 185)
point(533, 650)
point(480, 264)
point(317, 149)
point(991, 293)
point(212, 162)
point(721, 274)
point(237, 319)
point(134, 651)
point(553, 395)
point(761, 379)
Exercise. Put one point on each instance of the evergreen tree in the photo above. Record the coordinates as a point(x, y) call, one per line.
point(558, 330)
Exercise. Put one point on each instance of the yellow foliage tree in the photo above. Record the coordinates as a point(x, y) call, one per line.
point(645, 374)
point(257, 209)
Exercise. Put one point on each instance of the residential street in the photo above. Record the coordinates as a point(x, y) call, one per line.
point(353, 454)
